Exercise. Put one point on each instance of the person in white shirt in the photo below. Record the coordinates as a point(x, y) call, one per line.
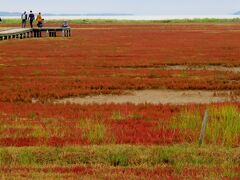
point(24, 19)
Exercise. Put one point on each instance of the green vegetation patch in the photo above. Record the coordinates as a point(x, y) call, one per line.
point(113, 21)
point(93, 131)
point(220, 161)
point(121, 155)
point(223, 125)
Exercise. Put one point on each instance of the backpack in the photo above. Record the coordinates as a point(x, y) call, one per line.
point(24, 16)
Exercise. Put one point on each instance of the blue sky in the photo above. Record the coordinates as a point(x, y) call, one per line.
point(137, 7)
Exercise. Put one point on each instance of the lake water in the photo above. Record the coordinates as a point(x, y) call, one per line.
point(133, 17)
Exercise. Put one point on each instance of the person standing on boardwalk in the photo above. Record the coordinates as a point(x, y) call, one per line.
point(39, 20)
point(31, 18)
point(24, 19)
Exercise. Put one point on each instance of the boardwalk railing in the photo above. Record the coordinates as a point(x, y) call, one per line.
point(52, 31)
point(20, 33)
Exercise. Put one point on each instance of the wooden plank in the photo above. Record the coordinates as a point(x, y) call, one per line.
point(14, 31)
point(204, 124)
point(51, 29)
point(3, 29)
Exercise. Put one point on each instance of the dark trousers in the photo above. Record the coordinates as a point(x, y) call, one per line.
point(31, 23)
point(40, 24)
point(24, 23)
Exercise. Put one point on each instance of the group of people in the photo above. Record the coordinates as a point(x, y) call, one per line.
point(31, 18)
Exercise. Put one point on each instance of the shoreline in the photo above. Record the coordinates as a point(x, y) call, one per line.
point(129, 21)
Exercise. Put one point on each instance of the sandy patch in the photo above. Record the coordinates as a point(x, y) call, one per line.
point(189, 67)
point(157, 97)
point(208, 68)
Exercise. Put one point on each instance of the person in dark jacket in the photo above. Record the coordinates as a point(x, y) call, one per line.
point(31, 18)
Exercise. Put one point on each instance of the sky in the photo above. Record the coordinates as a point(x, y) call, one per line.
point(136, 7)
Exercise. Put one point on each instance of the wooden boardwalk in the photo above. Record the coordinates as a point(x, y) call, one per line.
point(15, 33)
point(21, 33)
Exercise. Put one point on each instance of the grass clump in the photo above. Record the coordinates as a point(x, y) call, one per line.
point(93, 131)
point(6, 157)
point(161, 156)
point(187, 120)
point(135, 116)
point(118, 158)
point(117, 116)
point(26, 157)
point(224, 125)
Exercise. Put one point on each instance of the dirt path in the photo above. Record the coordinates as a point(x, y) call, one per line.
point(189, 67)
point(156, 97)
point(208, 68)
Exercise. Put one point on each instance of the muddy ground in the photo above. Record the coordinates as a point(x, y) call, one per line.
point(158, 96)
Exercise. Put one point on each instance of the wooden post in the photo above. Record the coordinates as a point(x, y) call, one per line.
point(203, 130)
